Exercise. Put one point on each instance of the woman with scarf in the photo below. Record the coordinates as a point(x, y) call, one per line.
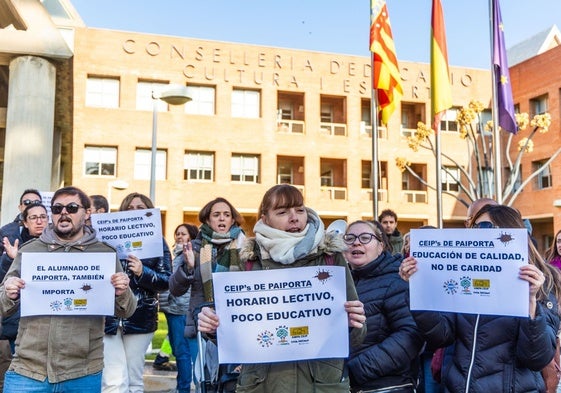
point(126, 340)
point(215, 249)
point(289, 235)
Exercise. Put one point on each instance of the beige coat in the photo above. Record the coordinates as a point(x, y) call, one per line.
point(61, 347)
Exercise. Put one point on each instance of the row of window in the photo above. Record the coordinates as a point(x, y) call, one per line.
point(104, 92)
point(245, 168)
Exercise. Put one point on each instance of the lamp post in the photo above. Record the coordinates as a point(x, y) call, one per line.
point(173, 96)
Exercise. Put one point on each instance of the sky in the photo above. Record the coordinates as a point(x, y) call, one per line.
point(335, 26)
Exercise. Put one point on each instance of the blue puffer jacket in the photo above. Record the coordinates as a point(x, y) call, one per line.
point(389, 355)
point(494, 353)
point(154, 279)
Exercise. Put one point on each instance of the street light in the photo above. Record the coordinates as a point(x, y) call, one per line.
point(176, 95)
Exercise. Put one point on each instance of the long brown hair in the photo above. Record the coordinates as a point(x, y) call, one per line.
point(507, 217)
point(552, 251)
point(128, 199)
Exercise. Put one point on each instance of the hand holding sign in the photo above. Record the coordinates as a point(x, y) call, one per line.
point(120, 282)
point(13, 285)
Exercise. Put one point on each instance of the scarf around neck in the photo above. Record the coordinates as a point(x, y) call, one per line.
point(211, 261)
point(287, 247)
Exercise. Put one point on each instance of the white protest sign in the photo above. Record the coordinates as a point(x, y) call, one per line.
point(67, 283)
point(136, 232)
point(281, 315)
point(472, 271)
point(46, 197)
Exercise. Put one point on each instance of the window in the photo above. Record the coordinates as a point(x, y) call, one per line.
point(448, 121)
point(245, 103)
point(102, 92)
point(538, 105)
point(450, 178)
point(485, 116)
point(366, 176)
point(142, 164)
point(245, 168)
point(286, 110)
point(516, 183)
point(202, 100)
point(326, 115)
point(327, 178)
point(198, 165)
point(100, 161)
point(543, 179)
point(284, 174)
point(144, 100)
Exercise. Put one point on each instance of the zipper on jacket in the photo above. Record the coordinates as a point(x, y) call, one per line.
point(472, 360)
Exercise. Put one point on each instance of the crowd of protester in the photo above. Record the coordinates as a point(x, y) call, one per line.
point(391, 347)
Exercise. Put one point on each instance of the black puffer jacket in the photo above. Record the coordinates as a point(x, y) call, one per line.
point(494, 353)
point(389, 355)
point(154, 279)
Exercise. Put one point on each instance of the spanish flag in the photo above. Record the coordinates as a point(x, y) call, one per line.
point(386, 79)
point(441, 93)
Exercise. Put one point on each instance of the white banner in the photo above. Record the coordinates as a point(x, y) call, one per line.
point(69, 283)
point(472, 271)
point(281, 315)
point(136, 232)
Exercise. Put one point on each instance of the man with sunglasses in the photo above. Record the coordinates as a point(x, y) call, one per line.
point(61, 353)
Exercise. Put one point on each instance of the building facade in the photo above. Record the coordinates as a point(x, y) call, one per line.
point(258, 116)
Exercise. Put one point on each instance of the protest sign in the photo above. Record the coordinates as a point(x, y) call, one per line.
point(67, 283)
point(471, 271)
point(136, 232)
point(281, 315)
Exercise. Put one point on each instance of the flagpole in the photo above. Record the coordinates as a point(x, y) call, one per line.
point(441, 92)
point(374, 164)
point(438, 178)
point(497, 166)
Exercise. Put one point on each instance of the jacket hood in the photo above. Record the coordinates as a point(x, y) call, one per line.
point(331, 243)
point(54, 243)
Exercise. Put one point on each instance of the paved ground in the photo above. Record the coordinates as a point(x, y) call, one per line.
point(156, 381)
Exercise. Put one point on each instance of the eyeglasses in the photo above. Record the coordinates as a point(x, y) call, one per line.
point(484, 225)
point(71, 208)
point(42, 217)
point(27, 202)
point(363, 238)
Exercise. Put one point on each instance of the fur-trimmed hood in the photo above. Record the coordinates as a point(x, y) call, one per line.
point(331, 243)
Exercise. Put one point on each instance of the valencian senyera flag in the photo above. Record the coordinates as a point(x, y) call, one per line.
point(441, 92)
point(386, 78)
point(503, 89)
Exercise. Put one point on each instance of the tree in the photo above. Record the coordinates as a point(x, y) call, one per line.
point(476, 180)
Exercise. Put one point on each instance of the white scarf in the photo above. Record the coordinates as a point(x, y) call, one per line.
point(286, 247)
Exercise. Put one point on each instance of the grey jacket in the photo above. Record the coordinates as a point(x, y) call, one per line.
point(61, 347)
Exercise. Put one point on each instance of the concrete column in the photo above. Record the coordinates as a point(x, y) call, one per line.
point(28, 152)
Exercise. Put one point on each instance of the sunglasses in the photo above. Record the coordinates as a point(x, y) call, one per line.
point(27, 202)
point(363, 238)
point(71, 208)
point(484, 225)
